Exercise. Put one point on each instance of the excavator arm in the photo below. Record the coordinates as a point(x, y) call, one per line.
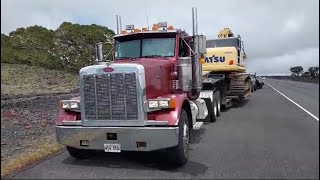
point(225, 33)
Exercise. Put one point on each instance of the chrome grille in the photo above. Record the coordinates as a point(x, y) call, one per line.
point(110, 96)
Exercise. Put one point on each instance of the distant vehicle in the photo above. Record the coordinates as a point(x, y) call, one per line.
point(253, 83)
point(259, 83)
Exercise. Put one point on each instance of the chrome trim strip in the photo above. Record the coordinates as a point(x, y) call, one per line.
point(95, 94)
point(125, 97)
point(71, 123)
point(155, 123)
point(147, 123)
point(110, 102)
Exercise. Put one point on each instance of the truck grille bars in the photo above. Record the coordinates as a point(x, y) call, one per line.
point(110, 96)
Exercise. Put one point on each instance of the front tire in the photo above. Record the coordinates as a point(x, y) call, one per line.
point(218, 103)
point(79, 153)
point(213, 115)
point(179, 154)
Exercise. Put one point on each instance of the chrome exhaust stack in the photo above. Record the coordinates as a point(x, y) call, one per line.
point(99, 52)
point(199, 48)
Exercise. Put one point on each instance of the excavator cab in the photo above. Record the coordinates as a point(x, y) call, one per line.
point(226, 42)
point(225, 55)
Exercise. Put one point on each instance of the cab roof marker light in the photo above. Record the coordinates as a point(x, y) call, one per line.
point(130, 27)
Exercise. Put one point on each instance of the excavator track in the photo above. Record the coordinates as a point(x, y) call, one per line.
point(240, 85)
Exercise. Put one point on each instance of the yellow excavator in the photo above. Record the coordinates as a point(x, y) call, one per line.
point(226, 56)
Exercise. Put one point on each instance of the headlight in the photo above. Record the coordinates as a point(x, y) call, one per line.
point(70, 104)
point(65, 105)
point(164, 103)
point(161, 103)
point(74, 105)
point(153, 104)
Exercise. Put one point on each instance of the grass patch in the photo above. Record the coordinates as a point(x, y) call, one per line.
point(36, 154)
point(19, 79)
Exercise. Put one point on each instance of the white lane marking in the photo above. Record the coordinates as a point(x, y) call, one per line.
point(294, 103)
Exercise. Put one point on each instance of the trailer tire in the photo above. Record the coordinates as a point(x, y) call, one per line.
point(213, 115)
point(79, 153)
point(179, 154)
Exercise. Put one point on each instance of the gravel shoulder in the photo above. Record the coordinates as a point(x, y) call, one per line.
point(27, 126)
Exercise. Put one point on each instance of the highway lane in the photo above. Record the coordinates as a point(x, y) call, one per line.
point(305, 94)
point(264, 137)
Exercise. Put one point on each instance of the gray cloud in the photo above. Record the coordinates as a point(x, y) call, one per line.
point(278, 34)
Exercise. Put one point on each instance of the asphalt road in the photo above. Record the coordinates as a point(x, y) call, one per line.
point(267, 136)
point(305, 94)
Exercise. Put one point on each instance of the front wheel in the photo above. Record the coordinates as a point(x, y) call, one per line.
point(213, 115)
point(179, 154)
point(217, 95)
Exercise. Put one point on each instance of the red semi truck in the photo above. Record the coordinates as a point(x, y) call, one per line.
point(150, 97)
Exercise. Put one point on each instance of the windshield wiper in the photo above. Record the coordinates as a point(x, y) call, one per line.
point(119, 58)
point(152, 56)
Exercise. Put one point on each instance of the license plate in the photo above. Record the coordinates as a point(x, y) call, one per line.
point(112, 148)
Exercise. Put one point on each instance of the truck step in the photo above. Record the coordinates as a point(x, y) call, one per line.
point(197, 125)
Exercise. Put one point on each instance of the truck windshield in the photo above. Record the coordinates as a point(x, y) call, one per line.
point(150, 47)
point(127, 49)
point(233, 42)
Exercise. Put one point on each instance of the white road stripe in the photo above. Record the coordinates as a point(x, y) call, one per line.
point(315, 117)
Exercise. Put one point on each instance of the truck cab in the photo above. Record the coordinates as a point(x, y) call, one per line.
point(150, 97)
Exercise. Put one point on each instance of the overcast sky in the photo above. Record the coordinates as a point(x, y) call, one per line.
point(277, 34)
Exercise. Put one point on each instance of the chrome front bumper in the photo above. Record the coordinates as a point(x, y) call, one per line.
point(154, 137)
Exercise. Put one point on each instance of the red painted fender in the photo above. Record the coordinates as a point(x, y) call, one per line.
point(67, 115)
point(170, 115)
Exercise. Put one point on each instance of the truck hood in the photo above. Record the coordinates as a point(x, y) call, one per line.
point(157, 74)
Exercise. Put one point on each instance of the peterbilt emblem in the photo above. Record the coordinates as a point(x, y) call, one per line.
point(108, 69)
